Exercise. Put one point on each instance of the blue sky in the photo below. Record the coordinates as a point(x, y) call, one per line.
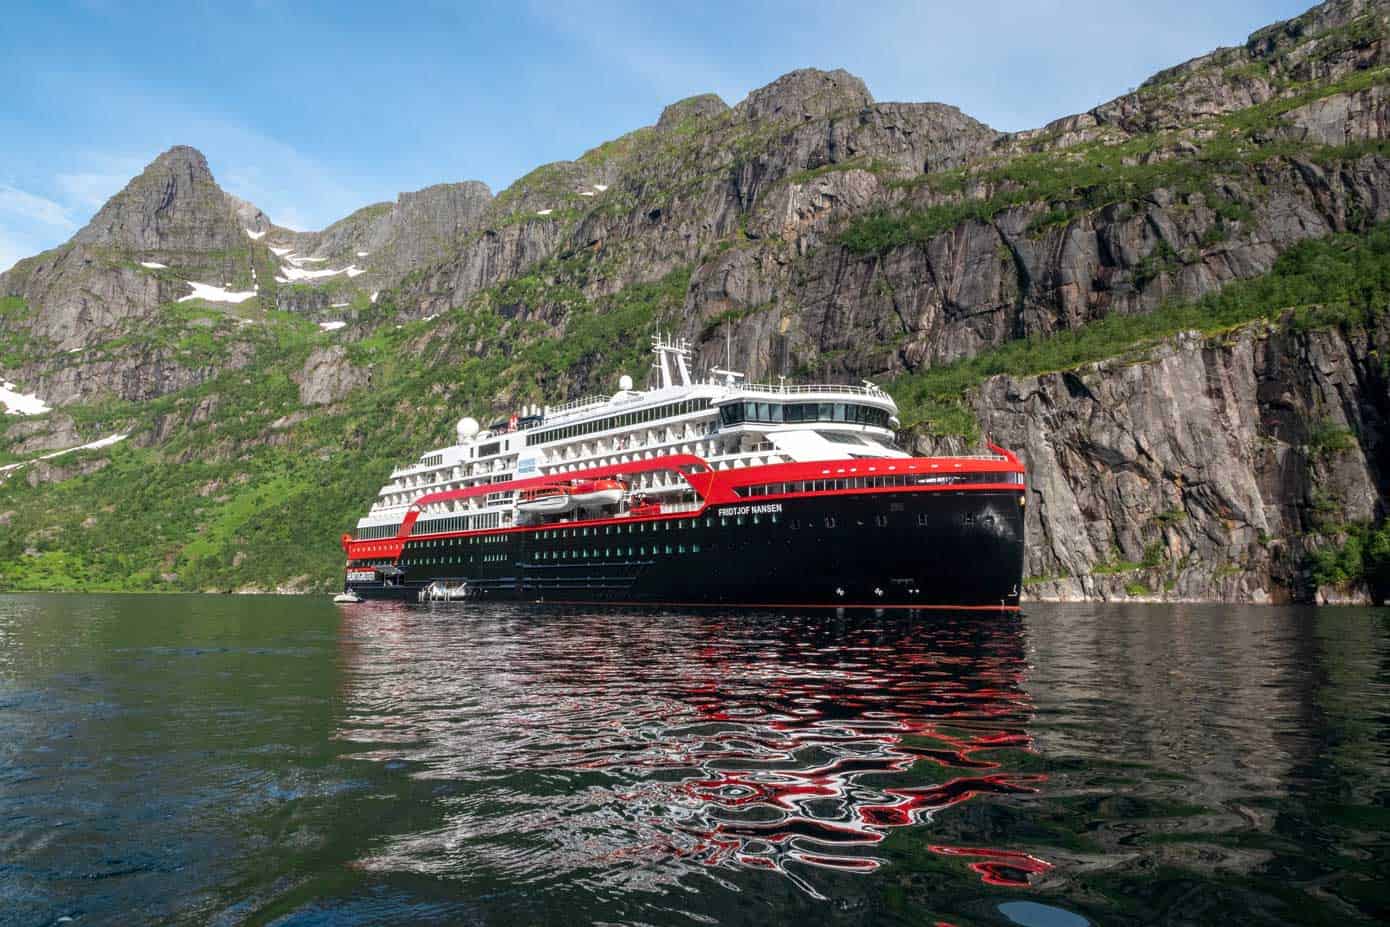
point(311, 110)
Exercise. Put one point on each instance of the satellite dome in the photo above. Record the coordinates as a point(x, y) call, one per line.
point(625, 382)
point(467, 428)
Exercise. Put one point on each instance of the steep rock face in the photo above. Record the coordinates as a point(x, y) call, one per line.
point(391, 240)
point(983, 283)
point(1197, 472)
point(667, 193)
point(1341, 119)
point(142, 373)
point(328, 376)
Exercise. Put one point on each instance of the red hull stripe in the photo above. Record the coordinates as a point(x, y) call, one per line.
point(715, 487)
point(390, 547)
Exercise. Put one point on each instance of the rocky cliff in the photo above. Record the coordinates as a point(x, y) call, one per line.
point(1206, 469)
point(824, 234)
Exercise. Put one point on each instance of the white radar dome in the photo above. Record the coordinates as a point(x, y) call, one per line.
point(467, 428)
point(625, 382)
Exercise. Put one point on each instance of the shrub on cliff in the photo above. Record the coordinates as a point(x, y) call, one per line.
point(1363, 558)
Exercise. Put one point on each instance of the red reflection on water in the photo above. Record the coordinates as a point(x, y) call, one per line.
point(722, 741)
point(1000, 867)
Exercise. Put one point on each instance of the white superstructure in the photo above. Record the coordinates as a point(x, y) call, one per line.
point(720, 418)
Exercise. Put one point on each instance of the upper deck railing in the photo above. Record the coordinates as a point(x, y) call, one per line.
point(574, 405)
point(836, 388)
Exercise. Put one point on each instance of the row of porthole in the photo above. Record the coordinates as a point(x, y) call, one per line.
point(829, 521)
point(444, 561)
point(637, 551)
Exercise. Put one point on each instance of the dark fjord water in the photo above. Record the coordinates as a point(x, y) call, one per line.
point(199, 760)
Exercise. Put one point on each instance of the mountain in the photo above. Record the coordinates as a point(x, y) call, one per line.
point(1175, 303)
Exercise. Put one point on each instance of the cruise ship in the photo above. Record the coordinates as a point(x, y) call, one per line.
point(699, 490)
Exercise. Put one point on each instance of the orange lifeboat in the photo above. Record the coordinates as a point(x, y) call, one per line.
point(593, 493)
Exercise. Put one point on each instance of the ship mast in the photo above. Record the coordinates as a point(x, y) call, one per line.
point(673, 360)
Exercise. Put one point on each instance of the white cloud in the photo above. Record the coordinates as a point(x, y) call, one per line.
point(33, 208)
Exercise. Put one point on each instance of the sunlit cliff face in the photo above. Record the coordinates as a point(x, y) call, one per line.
point(631, 750)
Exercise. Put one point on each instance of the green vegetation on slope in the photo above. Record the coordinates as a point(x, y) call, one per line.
point(1092, 176)
point(1364, 557)
point(252, 489)
point(1340, 280)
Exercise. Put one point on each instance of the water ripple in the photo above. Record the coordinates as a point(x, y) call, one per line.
point(622, 747)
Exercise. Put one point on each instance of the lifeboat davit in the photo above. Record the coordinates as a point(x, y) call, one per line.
point(545, 500)
point(593, 493)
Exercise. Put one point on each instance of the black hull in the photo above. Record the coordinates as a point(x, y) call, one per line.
point(909, 549)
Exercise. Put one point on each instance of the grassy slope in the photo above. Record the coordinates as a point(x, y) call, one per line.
point(245, 498)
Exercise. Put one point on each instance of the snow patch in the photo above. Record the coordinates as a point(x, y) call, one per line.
point(338, 305)
point(430, 318)
point(215, 294)
point(586, 192)
point(332, 326)
point(93, 446)
point(601, 187)
point(293, 268)
point(545, 212)
point(363, 253)
point(298, 273)
point(375, 294)
point(254, 236)
point(282, 279)
point(18, 403)
point(154, 265)
point(281, 252)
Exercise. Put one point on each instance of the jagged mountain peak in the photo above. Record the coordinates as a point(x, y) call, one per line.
point(181, 155)
point(807, 93)
point(173, 203)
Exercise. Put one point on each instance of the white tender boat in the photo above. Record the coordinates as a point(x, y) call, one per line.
point(545, 500)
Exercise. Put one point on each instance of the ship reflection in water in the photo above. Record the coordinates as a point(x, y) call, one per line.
point(634, 749)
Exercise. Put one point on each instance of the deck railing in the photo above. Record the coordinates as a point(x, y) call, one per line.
point(573, 406)
point(780, 389)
